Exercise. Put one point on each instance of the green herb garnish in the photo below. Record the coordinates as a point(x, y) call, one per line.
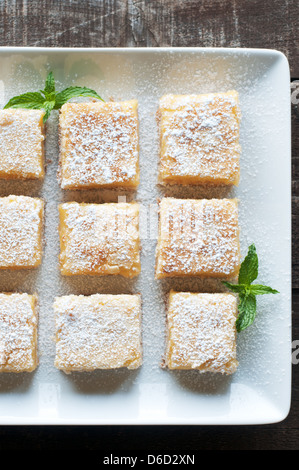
point(247, 291)
point(48, 99)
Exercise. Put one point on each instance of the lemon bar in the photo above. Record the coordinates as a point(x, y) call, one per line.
point(21, 144)
point(18, 332)
point(99, 331)
point(199, 139)
point(198, 237)
point(99, 145)
point(100, 239)
point(201, 332)
point(21, 227)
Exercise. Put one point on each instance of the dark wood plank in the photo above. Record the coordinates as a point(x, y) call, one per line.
point(51, 23)
point(95, 23)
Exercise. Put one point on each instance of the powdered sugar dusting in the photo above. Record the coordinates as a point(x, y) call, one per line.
point(199, 238)
point(123, 396)
point(200, 138)
point(21, 144)
point(98, 332)
point(21, 220)
point(18, 332)
point(99, 144)
point(202, 332)
point(100, 239)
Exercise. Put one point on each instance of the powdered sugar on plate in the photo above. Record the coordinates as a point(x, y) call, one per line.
point(152, 394)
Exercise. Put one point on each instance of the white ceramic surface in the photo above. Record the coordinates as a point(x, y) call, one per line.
point(260, 391)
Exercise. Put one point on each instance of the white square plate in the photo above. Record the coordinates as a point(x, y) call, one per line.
point(260, 390)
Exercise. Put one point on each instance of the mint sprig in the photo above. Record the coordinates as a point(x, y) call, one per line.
point(247, 291)
point(48, 99)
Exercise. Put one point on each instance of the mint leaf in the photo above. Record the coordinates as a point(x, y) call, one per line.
point(74, 92)
point(48, 106)
point(237, 288)
point(257, 289)
point(49, 85)
point(249, 267)
point(48, 99)
point(247, 291)
point(247, 312)
point(31, 100)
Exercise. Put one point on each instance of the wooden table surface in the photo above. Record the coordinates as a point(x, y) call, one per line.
point(269, 24)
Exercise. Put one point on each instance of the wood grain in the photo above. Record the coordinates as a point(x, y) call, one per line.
point(99, 23)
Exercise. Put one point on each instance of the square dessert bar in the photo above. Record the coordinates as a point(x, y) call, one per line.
point(198, 237)
point(21, 144)
point(21, 227)
point(99, 145)
point(99, 239)
point(199, 139)
point(98, 332)
point(18, 332)
point(201, 332)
